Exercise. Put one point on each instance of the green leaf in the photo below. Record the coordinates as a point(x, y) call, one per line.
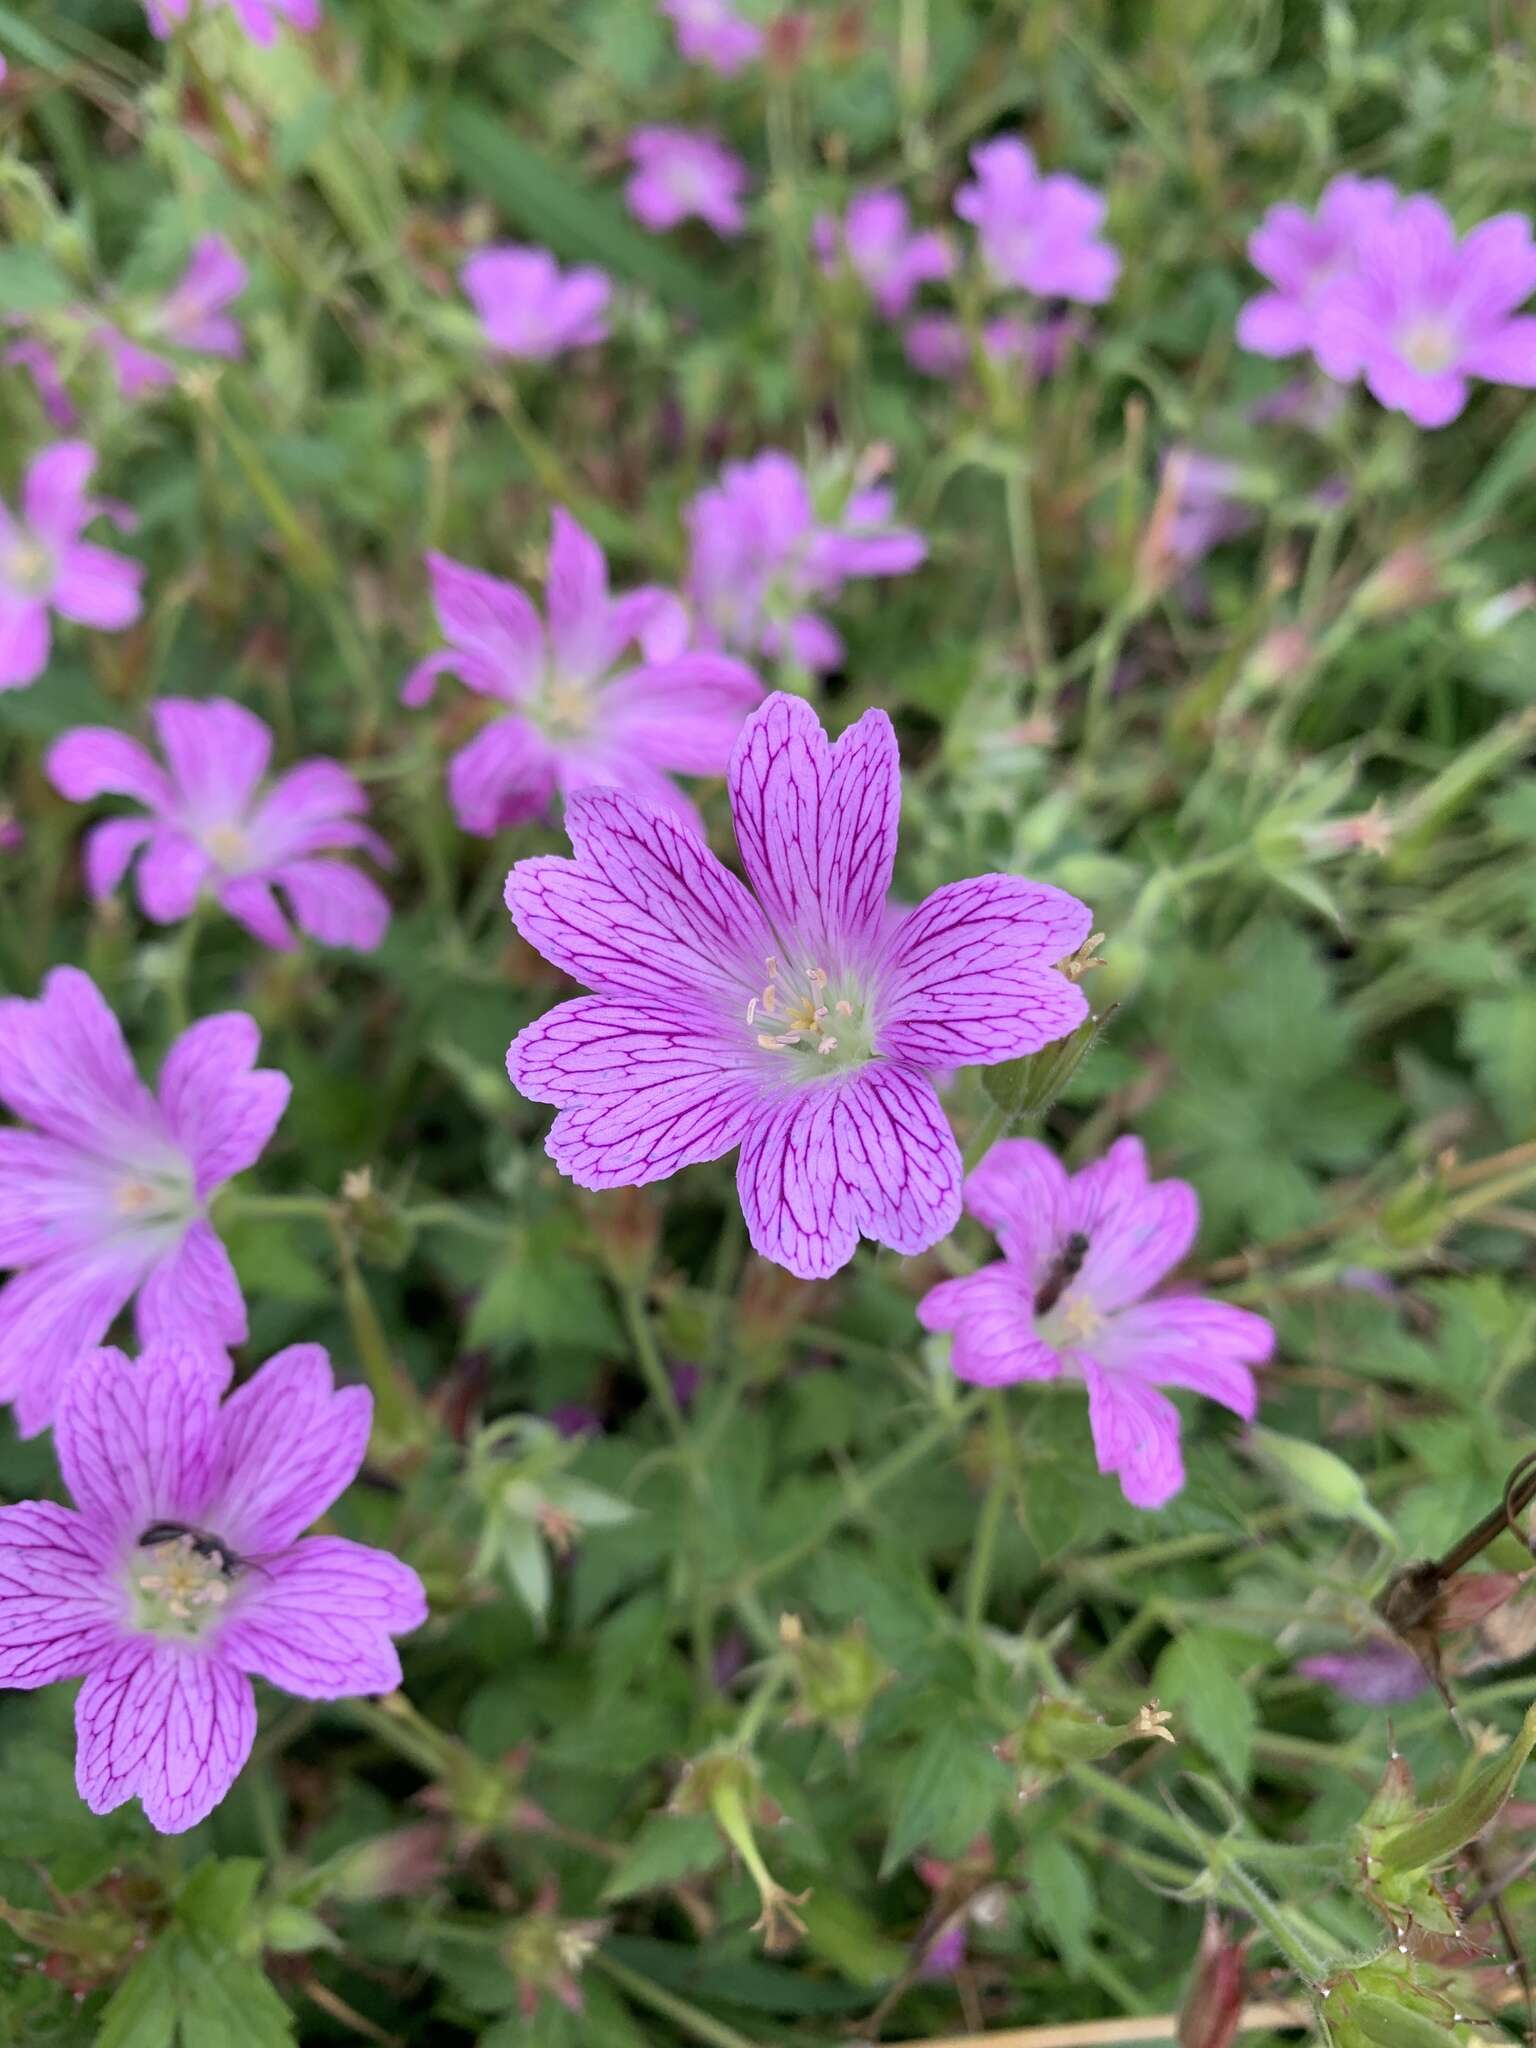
point(1061, 1899)
point(1499, 1033)
point(953, 1788)
point(668, 1846)
point(1193, 1674)
point(560, 209)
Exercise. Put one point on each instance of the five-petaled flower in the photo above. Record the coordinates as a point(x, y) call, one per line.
point(678, 175)
point(1069, 1299)
point(578, 712)
point(45, 565)
point(763, 552)
point(1038, 233)
point(217, 826)
point(712, 32)
point(530, 308)
point(106, 1196)
point(1302, 254)
point(181, 1571)
point(883, 250)
point(802, 1024)
point(259, 18)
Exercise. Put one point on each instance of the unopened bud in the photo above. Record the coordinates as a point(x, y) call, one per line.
point(1213, 2003)
point(1407, 580)
point(1060, 1733)
point(1281, 659)
point(1028, 1087)
point(837, 1676)
point(378, 1225)
point(1317, 1480)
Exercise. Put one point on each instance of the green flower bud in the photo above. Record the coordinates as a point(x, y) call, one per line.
point(1315, 1479)
point(837, 1677)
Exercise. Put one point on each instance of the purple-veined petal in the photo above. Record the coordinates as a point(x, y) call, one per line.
point(171, 876)
point(491, 621)
point(832, 1160)
point(1137, 1231)
point(139, 1443)
point(96, 587)
point(1135, 1435)
point(109, 851)
point(991, 1314)
point(65, 1067)
point(311, 794)
point(319, 1621)
point(93, 761)
point(192, 1294)
point(684, 714)
point(53, 1313)
point(58, 1610)
point(504, 776)
point(52, 1198)
point(641, 1096)
point(615, 766)
point(967, 976)
point(220, 1107)
point(576, 598)
point(816, 824)
point(334, 903)
point(1021, 1191)
point(165, 1724)
point(646, 909)
point(290, 1443)
point(218, 753)
point(1210, 1347)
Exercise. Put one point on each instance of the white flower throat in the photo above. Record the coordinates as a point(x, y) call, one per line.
point(180, 1581)
point(802, 1011)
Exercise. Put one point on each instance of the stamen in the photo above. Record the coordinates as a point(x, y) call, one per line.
point(844, 1008)
point(827, 1044)
point(752, 1007)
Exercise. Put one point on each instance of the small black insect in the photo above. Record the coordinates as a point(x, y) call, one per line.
point(203, 1545)
point(1068, 1264)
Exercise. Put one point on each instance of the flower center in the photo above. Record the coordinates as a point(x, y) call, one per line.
point(565, 709)
point(180, 1580)
point(1077, 1320)
point(801, 1012)
point(227, 845)
point(1428, 346)
point(29, 566)
point(165, 1197)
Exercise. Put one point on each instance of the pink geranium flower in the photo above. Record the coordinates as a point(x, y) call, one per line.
point(217, 827)
point(1068, 1299)
point(106, 1197)
point(1038, 233)
point(679, 175)
point(890, 259)
point(45, 566)
point(712, 32)
point(530, 308)
point(763, 554)
point(191, 317)
point(579, 713)
point(800, 1022)
point(180, 1573)
point(1302, 254)
point(1420, 312)
point(259, 18)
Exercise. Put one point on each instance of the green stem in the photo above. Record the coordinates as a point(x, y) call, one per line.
point(978, 1579)
point(1024, 552)
point(653, 1368)
point(701, 2025)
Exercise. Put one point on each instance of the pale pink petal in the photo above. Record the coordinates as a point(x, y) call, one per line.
point(93, 761)
point(492, 624)
point(576, 598)
point(1185, 1341)
point(139, 1444)
point(1022, 1192)
point(312, 795)
point(505, 776)
point(658, 619)
point(171, 877)
point(1429, 401)
point(967, 976)
point(54, 504)
point(1135, 1435)
point(25, 640)
point(1137, 1231)
point(192, 1294)
point(52, 1198)
point(645, 907)
point(58, 1613)
point(221, 1108)
point(866, 1155)
point(991, 1314)
point(96, 587)
point(291, 1443)
point(816, 824)
point(250, 901)
point(684, 714)
point(1274, 325)
point(1507, 356)
point(166, 1724)
point(109, 848)
point(318, 1622)
point(334, 903)
point(217, 751)
point(641, 1096)
point(65, 1067)
point(52, 1314)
